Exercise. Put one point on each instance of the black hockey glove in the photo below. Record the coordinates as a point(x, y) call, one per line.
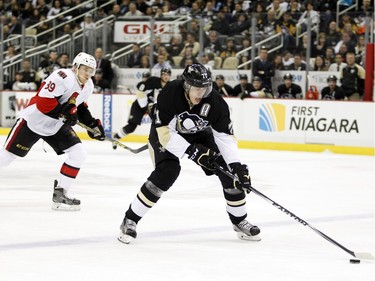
point(68, 113)
point(203, 156)
point(242, 173)
point(99, 134)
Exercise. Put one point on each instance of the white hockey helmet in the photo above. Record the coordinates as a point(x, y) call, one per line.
point(85, 59)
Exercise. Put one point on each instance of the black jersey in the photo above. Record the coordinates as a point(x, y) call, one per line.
point(175, 118)
point(336, 94)
point(151, 89)
point(294, 92)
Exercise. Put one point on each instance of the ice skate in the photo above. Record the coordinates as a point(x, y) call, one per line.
point(115, 137)
point(128, 231)
point(247, 231)
point(61, 202)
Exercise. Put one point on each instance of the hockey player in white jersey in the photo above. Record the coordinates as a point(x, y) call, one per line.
point(59, 103)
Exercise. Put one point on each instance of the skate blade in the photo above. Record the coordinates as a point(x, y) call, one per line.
point(126, 239)
point(65, 207)
point(243, 236)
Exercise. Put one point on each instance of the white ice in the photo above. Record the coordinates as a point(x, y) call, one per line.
point(187, 235)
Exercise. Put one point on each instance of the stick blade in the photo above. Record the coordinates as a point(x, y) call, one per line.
point(364, 256)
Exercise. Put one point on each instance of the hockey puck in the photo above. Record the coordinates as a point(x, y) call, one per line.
point(355, 261)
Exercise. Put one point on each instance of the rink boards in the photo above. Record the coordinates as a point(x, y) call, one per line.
point(302, 125)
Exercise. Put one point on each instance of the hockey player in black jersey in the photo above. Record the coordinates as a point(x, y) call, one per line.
point(332, 91)
point(191, 118)
point(146, 94)
point(289, 90)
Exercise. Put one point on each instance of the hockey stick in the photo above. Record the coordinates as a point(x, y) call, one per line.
point(359, 255)
point(136, 150)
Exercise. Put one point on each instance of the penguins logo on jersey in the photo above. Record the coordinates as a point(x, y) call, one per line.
point(190, 123)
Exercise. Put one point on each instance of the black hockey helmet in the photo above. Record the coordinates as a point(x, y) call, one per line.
point(166, 70)
point(146, 74)
point(197, 75)
point(288, 76)
point(332, 78)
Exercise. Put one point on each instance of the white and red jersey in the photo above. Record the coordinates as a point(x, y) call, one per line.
point(41, 112)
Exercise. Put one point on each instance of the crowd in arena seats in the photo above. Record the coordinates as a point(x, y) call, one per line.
point(227, 30)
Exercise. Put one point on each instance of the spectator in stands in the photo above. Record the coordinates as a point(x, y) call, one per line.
point(11, 53)
point(26, 11)
point(298, 64)
point(134, 59)
point(346, 19)
point(100, 14)
point(332, 35)
point(159, 13)
point(367, 7)
point(145, 62)
point(321, 45)
point(332, 91)
point(257, 90)
point(162, 63)
point(320, 64)
point(133, 12)
point(289, 90)
point(18, 85)
point(243, 87)
point(295, 9)
point(223, 89)
point(163, 50)
point(191, 42)
point(49, 65)
point(345, 39)
point(220, 24)
point(352, 78)
point(28, 73)
point(42, 7)
point(100, 85)
point(278, 62)
point(188, 55)
point(55, 10)
point(147, 52)
point(157, 44)
point(264, 68)
point(195, 11)
point(117, 11)
point(123, 7)
point(240, 26)
point(287, 25)
point(175, 46)
point(269, 25)
point(34, 18)
point(208, 60)
point(104, 64)
point(309, 13)
point(141, 5)
point(360, 49)
point(260, 12)
point(288, 60)
point(43, 27)
point(338, 65)
point(88, 25)
point(14, 26)
point(208, 12)
point(302, 47)
point(230, 49)
point(278, 8)
point(64, 60)
point(349, 28)
point(330, 55)
point(213, 45)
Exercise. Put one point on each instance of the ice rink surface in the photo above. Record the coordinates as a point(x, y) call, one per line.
point(187, 235)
